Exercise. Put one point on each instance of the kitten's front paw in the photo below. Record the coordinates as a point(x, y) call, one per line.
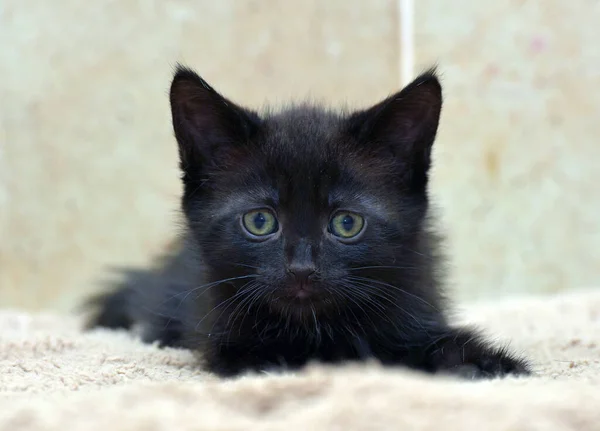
point(466, 354)
point(466, 371)
point(488, 368)
point(501, 363)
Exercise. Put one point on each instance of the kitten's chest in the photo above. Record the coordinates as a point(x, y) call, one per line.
point(297, 345)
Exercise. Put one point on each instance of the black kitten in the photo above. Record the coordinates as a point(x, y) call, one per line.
point(306, 239)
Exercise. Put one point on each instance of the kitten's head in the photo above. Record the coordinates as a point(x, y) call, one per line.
point(312, 209)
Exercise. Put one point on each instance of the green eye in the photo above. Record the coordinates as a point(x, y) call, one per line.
point(260, 222)
point(346, 225)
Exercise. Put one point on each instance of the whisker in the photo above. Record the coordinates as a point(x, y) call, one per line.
point(380, 267)
point(234, 315)
point(188, 292)
point(391, 286)
point(402, 246)
point(253, 294)
point(246, 265)
point(351, 299)
point(358, 290)
point(381, 294)
point(227, 301)
point(203, 286)
point(316, 322)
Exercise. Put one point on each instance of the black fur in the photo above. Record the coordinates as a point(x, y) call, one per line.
point(301, 293)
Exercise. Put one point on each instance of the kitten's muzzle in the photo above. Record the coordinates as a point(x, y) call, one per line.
point(300, 298)
point(301, 291)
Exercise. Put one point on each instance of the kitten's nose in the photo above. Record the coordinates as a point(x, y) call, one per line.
point(302, 272)
point(301, 264)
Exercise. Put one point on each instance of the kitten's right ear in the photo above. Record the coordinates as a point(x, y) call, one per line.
point(209, 129)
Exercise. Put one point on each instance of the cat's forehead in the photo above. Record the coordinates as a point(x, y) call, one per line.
point(301, 130)
point(308, 155)
point(305, 163)
point(302, 150)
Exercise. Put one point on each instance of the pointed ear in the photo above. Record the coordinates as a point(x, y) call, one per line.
point(404, 127)
point(210, 130)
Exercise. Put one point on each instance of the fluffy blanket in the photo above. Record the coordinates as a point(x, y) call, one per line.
point(54, 377)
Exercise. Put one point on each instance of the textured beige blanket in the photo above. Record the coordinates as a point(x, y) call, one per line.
point(52, 377)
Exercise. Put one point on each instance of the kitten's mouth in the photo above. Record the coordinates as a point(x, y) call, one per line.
point(302, 292)
point(300, 296)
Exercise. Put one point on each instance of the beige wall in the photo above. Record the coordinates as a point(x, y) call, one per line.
point(518, 164)
point(88, 166)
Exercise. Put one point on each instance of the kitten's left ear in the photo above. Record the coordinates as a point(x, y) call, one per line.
point(404, 126)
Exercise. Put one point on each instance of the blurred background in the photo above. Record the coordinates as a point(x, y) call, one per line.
point(88, 169)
